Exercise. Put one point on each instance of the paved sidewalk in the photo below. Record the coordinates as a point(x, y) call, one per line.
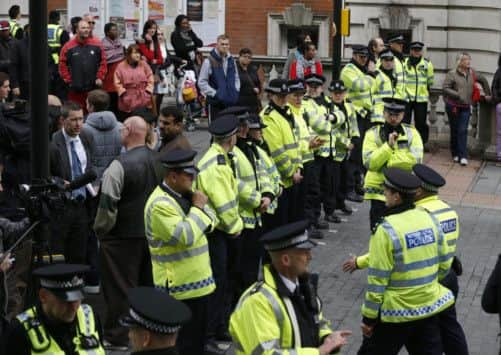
point(470, 190)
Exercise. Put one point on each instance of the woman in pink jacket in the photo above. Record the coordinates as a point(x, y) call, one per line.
point(133, 82)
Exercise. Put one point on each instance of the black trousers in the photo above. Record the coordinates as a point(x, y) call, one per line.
point(420, 110)
point(356, 152)
point(124, 264)
point(421, 337)
point(345, 181)
point(453, 337)
point(218, 252)
point(312, 195)
point(376, 212)
point(326, 168)
point(251, 254)
point(71, 233)
point(192, 336)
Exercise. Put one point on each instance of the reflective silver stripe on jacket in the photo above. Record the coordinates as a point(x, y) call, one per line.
point(169, 258)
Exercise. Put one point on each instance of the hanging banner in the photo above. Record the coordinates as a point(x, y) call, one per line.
point(195, 10)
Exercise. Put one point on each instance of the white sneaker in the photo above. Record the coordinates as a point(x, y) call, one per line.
point(463, 161)
point(455, 159)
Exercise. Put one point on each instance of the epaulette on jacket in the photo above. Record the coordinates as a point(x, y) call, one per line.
point(221, 160)
point(268, 110)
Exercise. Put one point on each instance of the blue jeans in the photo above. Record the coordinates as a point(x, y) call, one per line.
point(459, 118)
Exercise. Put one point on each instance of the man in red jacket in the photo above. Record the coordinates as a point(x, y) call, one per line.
point(82, 64)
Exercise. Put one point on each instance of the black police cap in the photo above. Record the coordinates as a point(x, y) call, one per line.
point(296, 85)
point(277, 86)
point(360, 49)
point(155, 310)
point(430, 179)
point(242, 112)
point(416, 45)
point(255, 122)
point(292, 235)
point(337, 86)
point(65, 281)
point(180, 159)
point(401, 180)
point(314, 79)
point(224, 126)
point(398, 38)
point(386, 53)
point(394, 105)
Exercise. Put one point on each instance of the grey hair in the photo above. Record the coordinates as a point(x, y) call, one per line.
point(460, 57)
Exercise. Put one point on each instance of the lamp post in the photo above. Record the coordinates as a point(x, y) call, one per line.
point(336, 39)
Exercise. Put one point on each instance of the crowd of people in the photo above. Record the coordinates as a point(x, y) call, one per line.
point(225, 238)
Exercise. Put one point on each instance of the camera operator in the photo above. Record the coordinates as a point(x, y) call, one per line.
point(71, 160)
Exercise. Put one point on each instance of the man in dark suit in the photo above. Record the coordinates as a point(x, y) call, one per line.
point(71, 160)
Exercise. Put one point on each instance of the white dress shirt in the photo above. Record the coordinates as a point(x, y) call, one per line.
point(291, 286)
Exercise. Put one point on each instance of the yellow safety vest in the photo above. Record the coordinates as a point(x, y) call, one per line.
point(377, 155)
point(408, 255)
point(54, 40)
point(178, 245)
point(385, 88)
point(217, 179)
point(43, 343)
point(14, 27)
point(359, 87)
point(345, 132)
point(418, 79)
point(265, 323)
point(303, 132)
point(281, 138)
point(249, 190)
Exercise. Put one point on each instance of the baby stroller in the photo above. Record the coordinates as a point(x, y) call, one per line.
point(187, 95)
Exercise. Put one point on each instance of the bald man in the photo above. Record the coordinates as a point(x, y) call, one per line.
point(124, 257)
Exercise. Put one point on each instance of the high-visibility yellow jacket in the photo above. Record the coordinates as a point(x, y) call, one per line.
point(359, 87)
point(446, 217)
point(14, 27)
point(377, 155)
point(418, 79)
point(303, 132)
point(268, 174)
point(408, 253)
point(385, 87)
point(283, 143)
point(54, 40)
point(178, 244)
point(398, 69)
point(265, 323)
point(345, 132)
point(249, 190)
point(43, 343)
point(217, 179)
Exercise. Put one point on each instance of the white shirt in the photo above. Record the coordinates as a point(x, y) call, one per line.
point(79, 148)
point(291, 286)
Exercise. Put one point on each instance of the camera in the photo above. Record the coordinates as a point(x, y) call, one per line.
point(43, 198)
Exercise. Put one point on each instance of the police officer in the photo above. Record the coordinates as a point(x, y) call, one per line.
point(154, 320)
point(280, 136)
point(418, 80)
point(57, 36)
point(176, 222)
point(281, 312)
point(453, 338)
point(396, 44)
point(386, 85)
point(16, 31)
point(59, 323)
point(347, 135)
point(268, 168)
point(308, 114)
point(218, 180)
point(392, 145)
point(407, 255)
point(359, 82)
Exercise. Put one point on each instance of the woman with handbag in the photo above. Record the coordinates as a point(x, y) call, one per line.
point(461, 91)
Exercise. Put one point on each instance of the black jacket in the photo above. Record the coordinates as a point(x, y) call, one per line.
point(60, 161)
point(183, 48)
point(496, 87)
point(248, 81)
point(5, 54)
point(19, 71)
point(491, 298)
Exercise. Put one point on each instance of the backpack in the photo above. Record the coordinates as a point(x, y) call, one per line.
point(189, 91)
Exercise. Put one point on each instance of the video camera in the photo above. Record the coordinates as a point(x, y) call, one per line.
point(43, 199)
